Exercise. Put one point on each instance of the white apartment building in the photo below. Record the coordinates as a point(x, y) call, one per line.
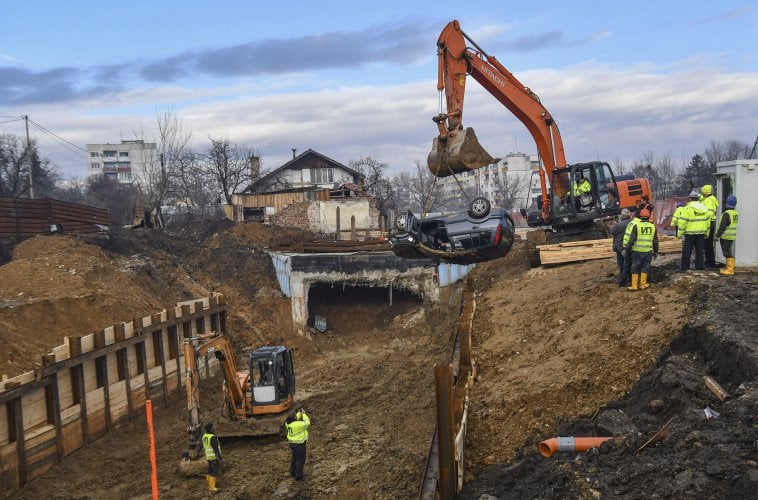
point(491, 180)
point(120, 161)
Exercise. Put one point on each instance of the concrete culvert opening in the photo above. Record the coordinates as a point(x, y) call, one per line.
point(349, 306)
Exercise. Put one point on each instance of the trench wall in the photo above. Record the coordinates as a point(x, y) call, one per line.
point(90, 383)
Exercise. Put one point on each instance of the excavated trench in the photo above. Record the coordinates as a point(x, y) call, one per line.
point(698, 457)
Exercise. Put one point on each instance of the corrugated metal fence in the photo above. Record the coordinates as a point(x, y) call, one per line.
point(22, 217)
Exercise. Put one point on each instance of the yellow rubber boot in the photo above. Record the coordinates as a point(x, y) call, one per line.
point(643, 281)
point(212, 483)
point(729, 269)
point(635, 282)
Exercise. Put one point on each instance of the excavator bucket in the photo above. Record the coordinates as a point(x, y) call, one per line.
point(460, 152)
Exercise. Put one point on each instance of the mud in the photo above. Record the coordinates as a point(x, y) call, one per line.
point(559, 351)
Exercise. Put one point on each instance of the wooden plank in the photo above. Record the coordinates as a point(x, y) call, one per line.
point(79, 373)
point(595, 249)
point(18, 418)
point(57, 416)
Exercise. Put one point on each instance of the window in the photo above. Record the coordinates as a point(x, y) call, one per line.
point(123, 154)
point(110, 165)
point(109, 154)
point(94, 166)
point(94, 154)
point(124, 176)
point(322, 175)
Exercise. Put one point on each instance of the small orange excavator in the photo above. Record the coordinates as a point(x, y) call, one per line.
point(562, 208)
point(255, 401)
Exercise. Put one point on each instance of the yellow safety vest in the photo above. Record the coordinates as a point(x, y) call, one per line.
point(297, 431)
point(675, 218)
point(645, 236)
point(711, 203)
point(582, 187)
point(628, 232)
point(695, 219)
point(730, 233)
point(209, 453)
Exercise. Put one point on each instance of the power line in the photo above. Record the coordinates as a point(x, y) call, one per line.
point(11, 121)
point(56, 137)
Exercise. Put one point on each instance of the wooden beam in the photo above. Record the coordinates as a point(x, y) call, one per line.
point(79, 370)
point(103, 367)
point(57, 417)
point(162, 358)
point(18, 419)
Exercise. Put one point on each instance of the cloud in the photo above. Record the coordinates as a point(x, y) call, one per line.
point(402, 43)
point(536, 42)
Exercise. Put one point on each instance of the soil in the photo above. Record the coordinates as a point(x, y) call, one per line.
point(559, 351)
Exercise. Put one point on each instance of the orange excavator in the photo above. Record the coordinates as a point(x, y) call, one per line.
point(573, 197)
point(255, 401)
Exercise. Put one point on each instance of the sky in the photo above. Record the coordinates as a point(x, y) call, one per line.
point(359, 79)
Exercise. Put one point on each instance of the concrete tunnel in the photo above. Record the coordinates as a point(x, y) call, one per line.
point(298, 273)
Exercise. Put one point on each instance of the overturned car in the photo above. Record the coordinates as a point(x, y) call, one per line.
point(481, 234)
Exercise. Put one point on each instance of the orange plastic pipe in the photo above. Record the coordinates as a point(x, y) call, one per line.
point(151, 441)
point(550, 446)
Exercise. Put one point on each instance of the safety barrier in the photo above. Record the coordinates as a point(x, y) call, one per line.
point(87, 385)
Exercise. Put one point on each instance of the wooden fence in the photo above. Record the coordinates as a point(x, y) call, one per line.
point(88, 384)
point(21, 217)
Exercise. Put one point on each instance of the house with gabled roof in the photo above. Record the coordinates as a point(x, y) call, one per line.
point(307, 171)
point(313, 192)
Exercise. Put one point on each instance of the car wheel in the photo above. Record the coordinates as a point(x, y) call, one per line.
point(401, 221)
point(479, 208)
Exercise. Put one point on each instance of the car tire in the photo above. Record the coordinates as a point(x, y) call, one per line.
point(479, 208)
point(401, 222)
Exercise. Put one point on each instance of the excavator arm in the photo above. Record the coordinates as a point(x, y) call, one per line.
point(456, 149)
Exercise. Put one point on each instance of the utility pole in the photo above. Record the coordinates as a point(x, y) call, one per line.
point(29, 157)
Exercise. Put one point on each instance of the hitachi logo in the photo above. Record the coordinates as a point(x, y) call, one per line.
point(492, 75)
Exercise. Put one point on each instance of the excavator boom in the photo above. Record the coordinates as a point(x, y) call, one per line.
point(456, 149)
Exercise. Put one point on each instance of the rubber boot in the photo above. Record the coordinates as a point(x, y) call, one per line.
point(643, 281)
point(729, 269)
point(635, 282)
point(212, 483)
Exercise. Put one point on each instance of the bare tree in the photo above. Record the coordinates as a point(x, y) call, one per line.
point(230, 166)
point(159, 172)
point(376, 183)
point(416, 190)
point(510, 190)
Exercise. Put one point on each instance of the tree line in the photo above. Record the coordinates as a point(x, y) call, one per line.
point(194, 183)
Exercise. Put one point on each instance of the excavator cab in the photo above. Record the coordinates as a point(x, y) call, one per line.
point(580, 194)
point(272, 379)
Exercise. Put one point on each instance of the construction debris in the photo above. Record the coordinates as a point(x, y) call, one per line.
point(715, 388)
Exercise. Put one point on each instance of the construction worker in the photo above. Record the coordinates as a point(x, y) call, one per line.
point(643, 247)
point(675, 217)
point(297, 425)
point(582, 189)
point(727, 233)
point(694, 223)
point(711, 203)
point(617, 231)
point(212, 448)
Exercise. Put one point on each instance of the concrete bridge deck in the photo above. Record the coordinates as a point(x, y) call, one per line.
point(297, 272)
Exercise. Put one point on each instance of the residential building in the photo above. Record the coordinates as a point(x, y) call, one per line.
point(120, 162)
point(306, 171)
point(492, 181)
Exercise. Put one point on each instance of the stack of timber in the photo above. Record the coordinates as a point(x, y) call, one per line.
point(596, 249)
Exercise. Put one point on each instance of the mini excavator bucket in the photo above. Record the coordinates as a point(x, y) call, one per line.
point(459, 152)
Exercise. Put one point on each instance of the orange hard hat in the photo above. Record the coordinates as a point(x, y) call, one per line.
point(644, 213)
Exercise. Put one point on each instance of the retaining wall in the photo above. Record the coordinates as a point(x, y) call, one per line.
point(90, 383)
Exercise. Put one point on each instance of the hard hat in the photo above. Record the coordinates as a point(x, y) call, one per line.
point(644, 213)
point(731, 201)
point(694, 194)
point(706, 189)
